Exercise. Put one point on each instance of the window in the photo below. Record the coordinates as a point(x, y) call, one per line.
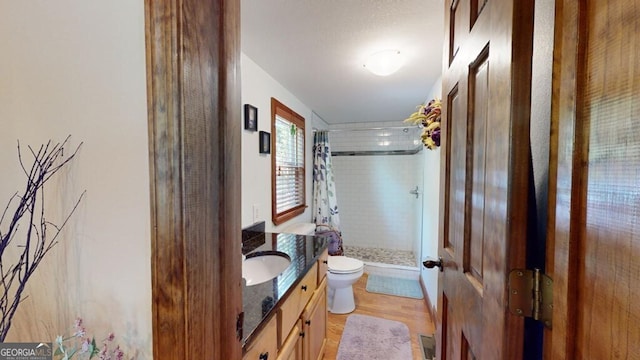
point(287, 163)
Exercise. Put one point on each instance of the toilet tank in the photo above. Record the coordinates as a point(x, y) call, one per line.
point(301, 229)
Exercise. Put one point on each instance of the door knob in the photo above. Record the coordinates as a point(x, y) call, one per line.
point(431, 263)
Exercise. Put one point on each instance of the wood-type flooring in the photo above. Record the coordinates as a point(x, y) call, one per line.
point(413, 312)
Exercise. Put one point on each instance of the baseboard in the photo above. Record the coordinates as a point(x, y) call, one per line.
point(432, 310)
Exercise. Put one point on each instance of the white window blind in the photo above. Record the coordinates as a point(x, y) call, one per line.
point(289, 165)
point(287, 160)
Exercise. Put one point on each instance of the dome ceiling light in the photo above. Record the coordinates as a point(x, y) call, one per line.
point(384, 63)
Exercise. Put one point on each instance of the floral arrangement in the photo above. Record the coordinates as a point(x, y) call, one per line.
point(78, 343)
point(428, 116)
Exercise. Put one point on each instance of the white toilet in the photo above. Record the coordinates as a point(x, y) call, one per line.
point(343, 273)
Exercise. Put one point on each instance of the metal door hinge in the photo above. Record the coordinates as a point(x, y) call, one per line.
point(531, 295)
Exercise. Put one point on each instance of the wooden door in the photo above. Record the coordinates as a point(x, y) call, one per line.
point(485, 157)
point(593, 250)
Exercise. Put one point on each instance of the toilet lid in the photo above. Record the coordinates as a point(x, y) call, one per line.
point(343, 264)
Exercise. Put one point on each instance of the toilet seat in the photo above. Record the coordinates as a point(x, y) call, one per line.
point(344, 265)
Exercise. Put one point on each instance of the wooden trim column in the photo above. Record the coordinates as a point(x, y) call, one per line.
point(568, 155)
point(193, 85)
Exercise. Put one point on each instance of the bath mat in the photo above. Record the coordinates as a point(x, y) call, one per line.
point(428, 346)
point(368, 337)
point(394, 286)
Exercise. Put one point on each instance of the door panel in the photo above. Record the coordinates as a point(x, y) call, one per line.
point(478, 106)
point(476, 8)
point(456, 206)
point(485, 152)
point(456, 27)
point(595, 245)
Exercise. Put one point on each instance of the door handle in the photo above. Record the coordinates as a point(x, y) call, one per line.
point(431, 263)
point(415, 192)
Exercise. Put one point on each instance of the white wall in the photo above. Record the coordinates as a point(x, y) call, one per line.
point(319, 123)
point(258, 88)
point(430, 210)
point(77, 67)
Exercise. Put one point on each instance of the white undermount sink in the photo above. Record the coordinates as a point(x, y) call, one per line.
point(264, 266)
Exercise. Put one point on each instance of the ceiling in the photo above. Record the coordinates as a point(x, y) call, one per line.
point(316, 49)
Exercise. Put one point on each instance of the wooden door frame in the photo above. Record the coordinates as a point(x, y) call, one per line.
point(193, 85)
point(576, 174)
point(567, 173)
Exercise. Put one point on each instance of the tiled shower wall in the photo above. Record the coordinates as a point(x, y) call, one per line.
point(376, 208)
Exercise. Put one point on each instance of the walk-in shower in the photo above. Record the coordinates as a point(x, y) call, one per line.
point(378, 175)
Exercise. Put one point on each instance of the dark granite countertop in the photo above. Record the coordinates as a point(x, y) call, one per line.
point(260, 301)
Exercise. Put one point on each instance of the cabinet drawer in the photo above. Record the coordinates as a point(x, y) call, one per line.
point(323, 265)
point(292, 307)
point(307, 286)
point(292, 347)
point(265, 345)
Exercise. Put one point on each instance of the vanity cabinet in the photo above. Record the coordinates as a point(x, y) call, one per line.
point(299, 329)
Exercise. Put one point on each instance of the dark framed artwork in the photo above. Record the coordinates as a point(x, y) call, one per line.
point(265, 142)
point(250, 117)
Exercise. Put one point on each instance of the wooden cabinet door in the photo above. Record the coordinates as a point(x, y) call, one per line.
point(293, 345)
point(314, 324)
point(485, 163)
point(265, 347)
point(593, 251)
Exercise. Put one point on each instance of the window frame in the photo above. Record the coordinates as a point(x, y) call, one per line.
point(279, 109)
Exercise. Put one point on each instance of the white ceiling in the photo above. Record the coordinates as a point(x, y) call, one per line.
point(316, 49)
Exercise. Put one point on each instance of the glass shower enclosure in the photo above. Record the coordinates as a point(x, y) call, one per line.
point(378, 171)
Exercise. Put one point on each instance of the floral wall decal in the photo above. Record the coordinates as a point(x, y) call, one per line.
point(26, 210)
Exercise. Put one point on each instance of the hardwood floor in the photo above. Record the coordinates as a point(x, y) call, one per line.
point(412, 312)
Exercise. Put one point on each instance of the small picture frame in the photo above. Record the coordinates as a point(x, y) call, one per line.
point(250, 117)
point(265, 142)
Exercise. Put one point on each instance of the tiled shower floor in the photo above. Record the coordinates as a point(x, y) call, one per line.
point(383, 256)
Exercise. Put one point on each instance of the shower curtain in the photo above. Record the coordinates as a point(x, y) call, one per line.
point(325, 206)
